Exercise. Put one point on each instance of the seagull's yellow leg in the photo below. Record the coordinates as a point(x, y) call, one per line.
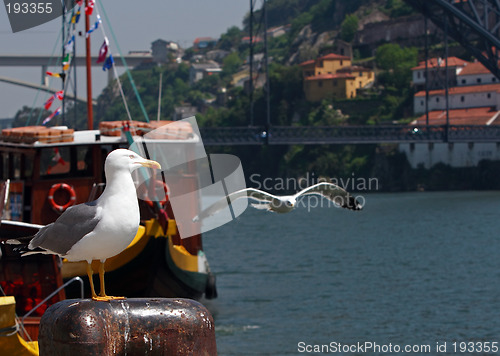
point(102, 295)
point(89, 274)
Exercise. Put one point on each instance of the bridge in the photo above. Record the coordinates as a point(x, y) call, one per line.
point(373, 134)
point(475, 24)
point(44, 62)
point(42, 88)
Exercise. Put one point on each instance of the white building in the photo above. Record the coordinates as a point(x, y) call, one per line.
point(460, 97)
point(473, 100)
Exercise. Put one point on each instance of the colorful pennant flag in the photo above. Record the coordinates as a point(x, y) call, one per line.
point(57, 157)
point(60, 95)
point(75, 17)
point(103, 52)
point(109, 63)
point(66, 61)
point(49, 102)
point(89, 8)
point(57, 75)
point(94, 27)
point(69, 46)
point(51, 116)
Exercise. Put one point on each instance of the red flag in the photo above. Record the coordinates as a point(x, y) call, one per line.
point(49, 102)
point(60, 95)
point(89, 8)
point(103, 52)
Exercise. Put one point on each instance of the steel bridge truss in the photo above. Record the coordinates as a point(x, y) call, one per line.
point(475, 24)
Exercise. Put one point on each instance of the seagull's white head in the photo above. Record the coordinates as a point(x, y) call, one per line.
point(290, 202)
point(120, 159)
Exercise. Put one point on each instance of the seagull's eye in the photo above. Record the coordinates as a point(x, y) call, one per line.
point(131, 156)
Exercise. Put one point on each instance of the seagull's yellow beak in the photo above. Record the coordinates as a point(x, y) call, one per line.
point(150, 164)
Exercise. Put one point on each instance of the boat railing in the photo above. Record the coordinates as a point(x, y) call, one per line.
point(72, 280)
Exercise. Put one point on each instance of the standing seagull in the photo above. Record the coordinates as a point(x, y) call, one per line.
point(99, 229)
point(285, 203)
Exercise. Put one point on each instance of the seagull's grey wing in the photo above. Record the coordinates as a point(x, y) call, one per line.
point(220, 204)
point(333, 193)
point(249, 193)
point(261, 196)
point(60, 236)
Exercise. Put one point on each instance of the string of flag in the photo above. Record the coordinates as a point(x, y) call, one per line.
point(104, 57)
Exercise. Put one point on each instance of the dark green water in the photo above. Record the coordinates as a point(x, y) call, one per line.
point(410, 269)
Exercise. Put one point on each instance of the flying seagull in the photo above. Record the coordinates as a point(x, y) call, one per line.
point(100, 229)
point(285, 203)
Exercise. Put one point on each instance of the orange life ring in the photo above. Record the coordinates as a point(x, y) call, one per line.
point(71, 201)
point(165, 189)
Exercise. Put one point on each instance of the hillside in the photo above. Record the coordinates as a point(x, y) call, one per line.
point(384, 35)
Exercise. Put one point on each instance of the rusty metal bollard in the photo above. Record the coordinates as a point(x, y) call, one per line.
point(136, 326)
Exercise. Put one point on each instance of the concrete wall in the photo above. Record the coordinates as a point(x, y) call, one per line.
point(453, 154)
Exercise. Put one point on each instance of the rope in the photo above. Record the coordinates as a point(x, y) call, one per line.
point(9, 330)
point(38, 91)
point(115, 72)
point(143, 109)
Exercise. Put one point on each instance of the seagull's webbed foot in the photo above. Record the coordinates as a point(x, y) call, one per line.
point(102, 297)
point(106, 298)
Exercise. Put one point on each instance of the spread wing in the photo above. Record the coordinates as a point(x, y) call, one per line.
point(249, 193)
point(333, 193)
point(76, 222)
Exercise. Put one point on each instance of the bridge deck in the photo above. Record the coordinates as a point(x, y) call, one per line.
point(314, 135)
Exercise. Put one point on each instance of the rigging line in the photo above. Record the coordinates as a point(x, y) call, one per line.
point(143, 109)
point(56, 44)
point(115, 72)
point(66, 81)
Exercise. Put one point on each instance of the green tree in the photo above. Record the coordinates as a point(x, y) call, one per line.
point(231, 64)
point(230, 39)
point(349, 27)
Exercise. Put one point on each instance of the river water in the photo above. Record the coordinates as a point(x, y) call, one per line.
point(419, 270)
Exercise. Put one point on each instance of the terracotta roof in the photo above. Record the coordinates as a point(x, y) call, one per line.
point(440, 62)
point(474, 68)
point(306, 63)
point(334, 56)
point(471, 116)
point(328, 56)
point(330, 76)
point(469, 89)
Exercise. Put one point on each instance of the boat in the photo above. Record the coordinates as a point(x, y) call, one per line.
point(44, 171)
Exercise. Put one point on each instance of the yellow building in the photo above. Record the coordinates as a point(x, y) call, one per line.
point(334, 76)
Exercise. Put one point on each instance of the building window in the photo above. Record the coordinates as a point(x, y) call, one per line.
point(421, 103)
point(489, 95)
point(464, 81)
point(418, 75)
point(437, 100)
point(494, 79)
point(320, 83)
point(341, 63)
point(335, 82)
point(462, 98)
point(478, 80)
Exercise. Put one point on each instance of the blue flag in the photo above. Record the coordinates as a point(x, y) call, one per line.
point(109, 63)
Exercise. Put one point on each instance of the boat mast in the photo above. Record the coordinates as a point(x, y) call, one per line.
point(90, 113)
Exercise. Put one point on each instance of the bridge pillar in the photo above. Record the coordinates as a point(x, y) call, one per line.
point(44, 81)
point(110, 75)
